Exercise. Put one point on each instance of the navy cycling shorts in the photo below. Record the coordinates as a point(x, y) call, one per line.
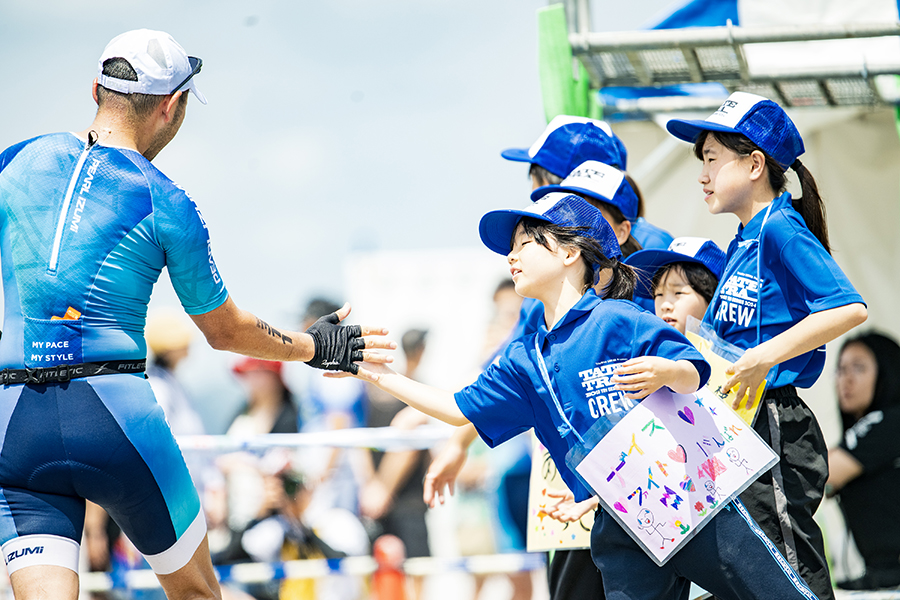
point(104, 439)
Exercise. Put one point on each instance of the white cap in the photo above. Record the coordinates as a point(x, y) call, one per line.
point(160, 62)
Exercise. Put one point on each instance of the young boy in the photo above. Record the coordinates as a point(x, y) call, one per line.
point(681, 281)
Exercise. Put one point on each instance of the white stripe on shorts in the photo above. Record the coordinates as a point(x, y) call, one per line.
point(40, 549)
point(180, 553)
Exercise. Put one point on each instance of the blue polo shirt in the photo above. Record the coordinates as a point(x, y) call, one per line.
point(650, 236)
point(581, 353)
point(798, 278)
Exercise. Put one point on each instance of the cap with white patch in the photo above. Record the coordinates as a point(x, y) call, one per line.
point(569, 141)
point(702, 251)
point(161, 64)
point(565, 210)
point(758, 118)
point(598, 181)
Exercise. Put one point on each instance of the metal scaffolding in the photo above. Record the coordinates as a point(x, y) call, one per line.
point(666, 57)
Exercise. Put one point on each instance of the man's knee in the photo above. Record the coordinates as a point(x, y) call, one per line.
point(44, 582)
point(195, 580)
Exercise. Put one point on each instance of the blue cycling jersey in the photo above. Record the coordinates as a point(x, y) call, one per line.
point(85, 231)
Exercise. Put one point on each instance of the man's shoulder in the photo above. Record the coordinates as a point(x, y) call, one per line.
point(58, 139)
point(165, 193)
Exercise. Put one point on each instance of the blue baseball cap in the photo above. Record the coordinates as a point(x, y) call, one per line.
point(598, 181)
point(759, 119)
point(569, 141)
point(701, 251)
point(566, 210)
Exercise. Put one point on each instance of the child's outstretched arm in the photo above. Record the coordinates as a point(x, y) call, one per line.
point(643, 375)
point(432, 401)
point(819, 328)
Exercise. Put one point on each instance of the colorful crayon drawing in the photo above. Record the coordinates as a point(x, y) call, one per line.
point(545, 533)
point(694, 459)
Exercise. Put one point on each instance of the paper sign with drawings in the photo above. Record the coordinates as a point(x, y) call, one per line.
point(546, 534)
point(670, 465)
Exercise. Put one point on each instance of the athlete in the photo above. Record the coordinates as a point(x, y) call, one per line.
point(86, 226)
point(781, 298)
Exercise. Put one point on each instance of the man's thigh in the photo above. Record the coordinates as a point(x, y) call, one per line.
point(105, 440)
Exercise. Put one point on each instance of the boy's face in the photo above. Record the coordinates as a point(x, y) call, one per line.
point(674, 299)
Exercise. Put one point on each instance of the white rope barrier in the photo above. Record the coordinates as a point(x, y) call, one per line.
point(316, 568)
point(374, 438)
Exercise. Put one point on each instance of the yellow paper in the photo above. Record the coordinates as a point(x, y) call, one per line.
point(718, 377)
point(545, 533)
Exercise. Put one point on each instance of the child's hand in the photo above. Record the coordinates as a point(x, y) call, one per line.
point(368, 371)
point(748, 372)
point(443, 472)
point(567, 510)
point(641, 376)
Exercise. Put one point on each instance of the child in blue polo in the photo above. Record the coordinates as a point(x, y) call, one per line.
point(781, 298)
point(681, 280)
point(556, 248)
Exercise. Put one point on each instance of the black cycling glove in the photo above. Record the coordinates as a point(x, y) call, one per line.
point(338, 347)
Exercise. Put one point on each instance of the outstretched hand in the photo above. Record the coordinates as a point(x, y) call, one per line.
point(566, 510)
point(340, 347)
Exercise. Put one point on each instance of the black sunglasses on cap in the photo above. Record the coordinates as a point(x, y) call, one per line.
point(196, 65)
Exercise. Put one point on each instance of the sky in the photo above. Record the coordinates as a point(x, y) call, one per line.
point(333, 128)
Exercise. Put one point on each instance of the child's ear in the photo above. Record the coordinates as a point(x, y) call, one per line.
point(571, 256)
point(757, 165)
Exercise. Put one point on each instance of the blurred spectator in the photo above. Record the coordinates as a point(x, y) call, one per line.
point(392, 496)
point(492, 486)
point(270, 405)
point(864, 470)
point(269, 409)
point(327, 405)
point(287, 531)
point(169, 336)
point(509, 465)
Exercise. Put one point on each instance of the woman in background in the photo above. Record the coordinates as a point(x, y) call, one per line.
point(864, 470)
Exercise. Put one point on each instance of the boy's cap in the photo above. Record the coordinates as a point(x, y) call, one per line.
point(161, 64)
point(601, 182)
point(566, 210)
point(702, 251)
point(761, 120)
point(569, 141)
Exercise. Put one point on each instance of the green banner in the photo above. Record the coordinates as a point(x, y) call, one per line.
point(562, 92)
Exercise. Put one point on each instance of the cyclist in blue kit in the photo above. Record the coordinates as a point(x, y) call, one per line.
point(86, 226)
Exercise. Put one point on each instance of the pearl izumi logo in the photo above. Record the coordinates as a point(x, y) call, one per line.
point(24, 552)
point(81, 201)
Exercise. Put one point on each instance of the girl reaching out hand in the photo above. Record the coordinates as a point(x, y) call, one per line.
point(589, 361)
